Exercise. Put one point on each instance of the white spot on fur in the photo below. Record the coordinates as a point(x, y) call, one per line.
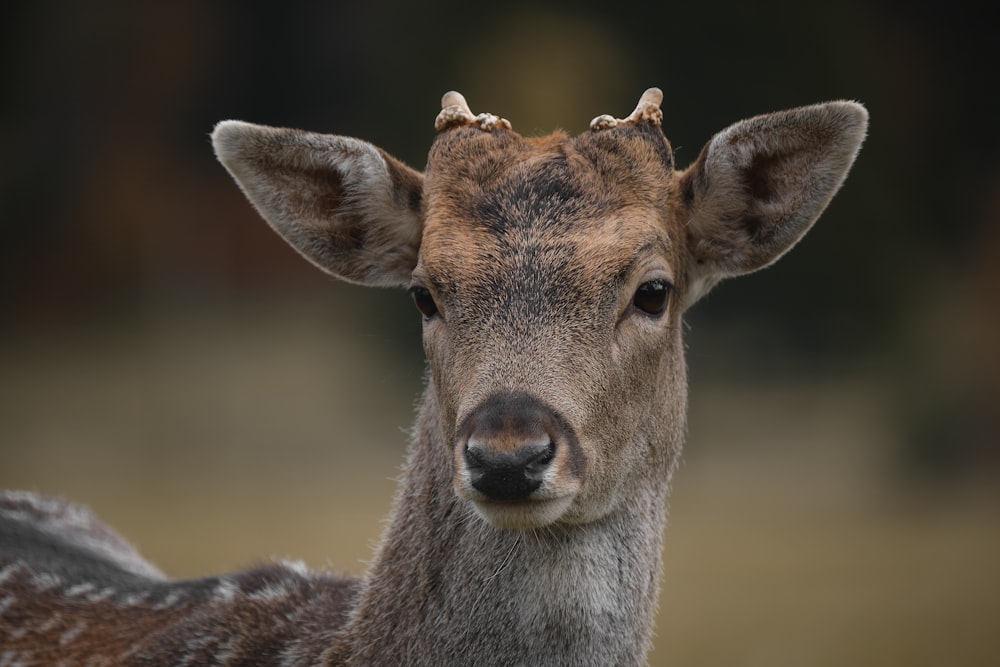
point(79, 589)
point(270, 592)
point(101, 596)
point(45, 581)
point(170, 600)
point(296, 566)
point(133, 600)
point(226, 590)
point(9, 571)
point(71, 634)
point(50, 624)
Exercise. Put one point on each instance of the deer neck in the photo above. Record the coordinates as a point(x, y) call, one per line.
point(447, 587)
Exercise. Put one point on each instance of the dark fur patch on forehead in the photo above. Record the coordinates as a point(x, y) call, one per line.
point(530, 220)
point(502, 181)
point(542, 193)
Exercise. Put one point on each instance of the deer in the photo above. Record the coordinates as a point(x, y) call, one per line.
point(552, 275)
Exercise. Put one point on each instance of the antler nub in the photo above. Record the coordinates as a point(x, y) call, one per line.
point(648, 110)
point(455, 111)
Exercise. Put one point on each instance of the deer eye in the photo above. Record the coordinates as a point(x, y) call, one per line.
point(651, 297)
point(425, 302)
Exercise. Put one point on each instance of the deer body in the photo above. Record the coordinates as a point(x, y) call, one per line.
point(552, 275)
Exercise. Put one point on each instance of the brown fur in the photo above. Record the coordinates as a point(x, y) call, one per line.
point(527, 528)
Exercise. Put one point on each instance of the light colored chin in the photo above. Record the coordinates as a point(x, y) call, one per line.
point(523, 515)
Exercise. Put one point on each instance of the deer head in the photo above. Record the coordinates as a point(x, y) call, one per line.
point(552, 275)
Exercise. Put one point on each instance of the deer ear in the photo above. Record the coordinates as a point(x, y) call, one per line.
point(348, 207)
point(759, 185)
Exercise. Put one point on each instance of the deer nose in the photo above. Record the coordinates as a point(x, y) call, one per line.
point(509, 444)
point(508, 475)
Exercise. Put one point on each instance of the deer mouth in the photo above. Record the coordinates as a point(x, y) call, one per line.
point(522, 514)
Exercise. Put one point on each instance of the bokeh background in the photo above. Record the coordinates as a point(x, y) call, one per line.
point(166, 359)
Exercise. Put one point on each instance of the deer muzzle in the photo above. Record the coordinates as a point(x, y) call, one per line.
point(518, 461)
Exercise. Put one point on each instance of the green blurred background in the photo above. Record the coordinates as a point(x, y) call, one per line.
point(166, 359)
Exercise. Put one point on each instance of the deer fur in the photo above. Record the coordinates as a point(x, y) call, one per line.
point(552, 274)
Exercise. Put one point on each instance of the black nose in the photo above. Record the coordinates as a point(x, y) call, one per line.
point(508, 475)
point(509, 443)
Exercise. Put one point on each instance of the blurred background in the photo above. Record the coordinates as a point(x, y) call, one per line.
point(166, 359)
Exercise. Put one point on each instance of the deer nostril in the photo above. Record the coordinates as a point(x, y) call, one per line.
point(475, 457)
point(542, 459)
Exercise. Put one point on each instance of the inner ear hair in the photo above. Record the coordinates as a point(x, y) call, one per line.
point(759, 185)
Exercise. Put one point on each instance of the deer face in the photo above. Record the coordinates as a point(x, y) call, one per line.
point(550, 326)
point(551, 275)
